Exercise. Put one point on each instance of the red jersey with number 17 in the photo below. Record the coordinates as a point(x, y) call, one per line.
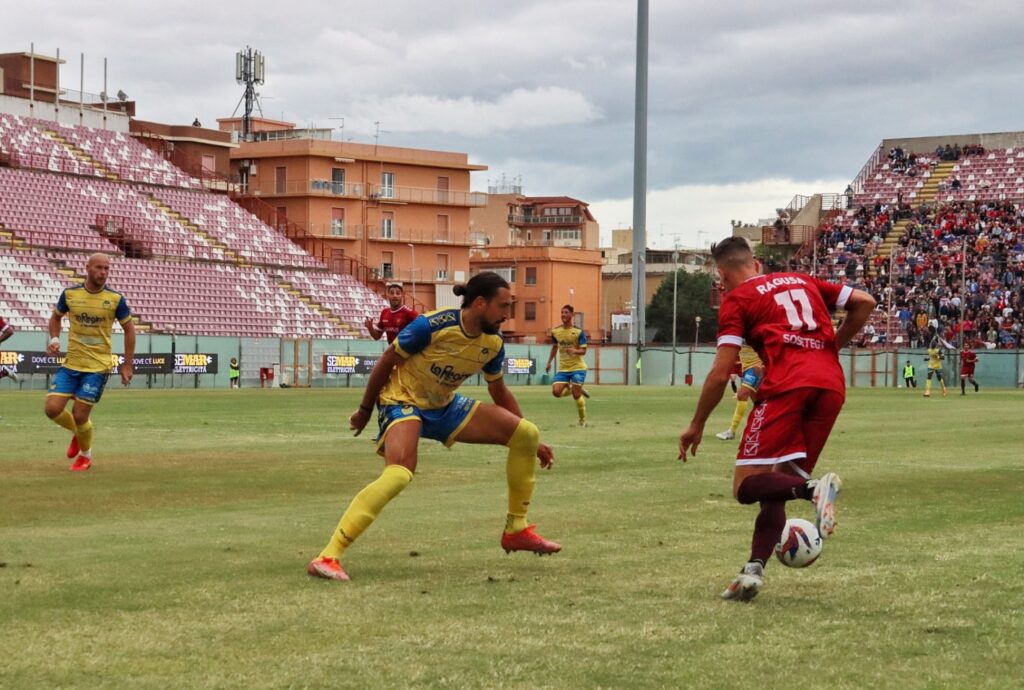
point(787, 319)
point(392, 321)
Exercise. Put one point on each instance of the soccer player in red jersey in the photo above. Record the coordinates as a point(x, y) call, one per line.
point(393, 318)
point(967, 361)
point(6, 331)
point(786, 318)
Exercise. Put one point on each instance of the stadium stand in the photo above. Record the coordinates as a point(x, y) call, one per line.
point(944, 257)
point(189, 260)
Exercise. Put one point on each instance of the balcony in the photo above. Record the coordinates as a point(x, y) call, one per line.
point(789, 235)
point(418, 195)
point(423, 276)
point(517, 219)
point(418, 235)
point(324, 188)
point(329, 230)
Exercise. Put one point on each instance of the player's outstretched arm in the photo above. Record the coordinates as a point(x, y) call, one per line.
point(372, 329)
point(6, 333)
point(858, 310)
point(378, 377)
point(551, 357)
point(710, 396)
point(128, 368)
point(54, 328)
point(502, 397)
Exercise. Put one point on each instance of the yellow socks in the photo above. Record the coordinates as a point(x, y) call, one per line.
point(928, 385)
point(737, 415)
point(581, 407)
point(519, 470)
point(365, 508)
point(65, 420)
point(84, 434)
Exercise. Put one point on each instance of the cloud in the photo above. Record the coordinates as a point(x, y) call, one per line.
point(522, 109)
point(791, 91)
point(696, 215)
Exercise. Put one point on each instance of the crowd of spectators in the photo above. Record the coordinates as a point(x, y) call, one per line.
point(926, 288)
point(953, 153)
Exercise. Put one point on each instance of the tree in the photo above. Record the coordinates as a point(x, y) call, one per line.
point(693, 299)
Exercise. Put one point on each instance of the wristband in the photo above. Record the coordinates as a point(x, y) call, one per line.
point(365, 409)
point(55, 341)
point(751, 380)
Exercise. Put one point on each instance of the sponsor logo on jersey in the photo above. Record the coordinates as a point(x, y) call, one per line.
point(448, 375)
point(88, 319)
point(445, 318)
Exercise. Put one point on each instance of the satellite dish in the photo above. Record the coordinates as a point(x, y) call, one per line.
point(103, 96)
point(122, 96)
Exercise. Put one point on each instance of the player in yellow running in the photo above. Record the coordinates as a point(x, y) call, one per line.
point(750, 375)
point(91, 309)
point(413, 386)
point(571, 345)
point(935, 358)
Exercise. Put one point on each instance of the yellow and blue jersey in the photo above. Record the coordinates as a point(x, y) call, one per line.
point(439, 355)
point(566, 338)
point(934, 358)
point(749, 358)
point(92, 316)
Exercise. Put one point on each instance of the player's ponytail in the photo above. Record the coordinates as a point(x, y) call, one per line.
point(485, 284)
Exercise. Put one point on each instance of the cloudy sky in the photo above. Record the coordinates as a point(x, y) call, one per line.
point(750, 102)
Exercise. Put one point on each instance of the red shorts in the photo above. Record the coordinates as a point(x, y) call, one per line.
point(792, 426)
point(967, 371)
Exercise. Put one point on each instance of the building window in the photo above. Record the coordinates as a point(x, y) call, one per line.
point(531, 275)
point(387, 265)
point(337, 180)
point(442, 267)
point(530, 311)
point(506, 272)
point(338, 221)
point(387, 185)
point(442, 190)
point(209, 163)
point(387, 226)
point(281, 180)
point(443, 225)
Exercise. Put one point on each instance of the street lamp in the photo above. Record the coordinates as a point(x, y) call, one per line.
point(675, 288)
point(412, 246)
point(696, 332)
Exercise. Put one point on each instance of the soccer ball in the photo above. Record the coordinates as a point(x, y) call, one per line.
point(800, 544)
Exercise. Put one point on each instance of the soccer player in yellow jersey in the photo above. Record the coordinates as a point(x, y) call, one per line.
point(935, 358)
point(571, 345)
point(751, 373)
point(91, 309)
point(414, 388)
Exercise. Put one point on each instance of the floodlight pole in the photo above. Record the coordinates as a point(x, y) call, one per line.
point(640, 179)
point(675, 290)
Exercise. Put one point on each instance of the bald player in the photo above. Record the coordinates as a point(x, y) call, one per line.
point(91, 309)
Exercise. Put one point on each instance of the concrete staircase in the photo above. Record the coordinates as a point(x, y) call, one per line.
point(81, 155)
point(11, 241)
point(229, 253)
point(925, 195)
point(314, 305)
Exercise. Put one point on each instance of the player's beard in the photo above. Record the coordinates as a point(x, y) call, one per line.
point(491, 327)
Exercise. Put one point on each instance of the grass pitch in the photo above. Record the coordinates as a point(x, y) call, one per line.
point(178, 560)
